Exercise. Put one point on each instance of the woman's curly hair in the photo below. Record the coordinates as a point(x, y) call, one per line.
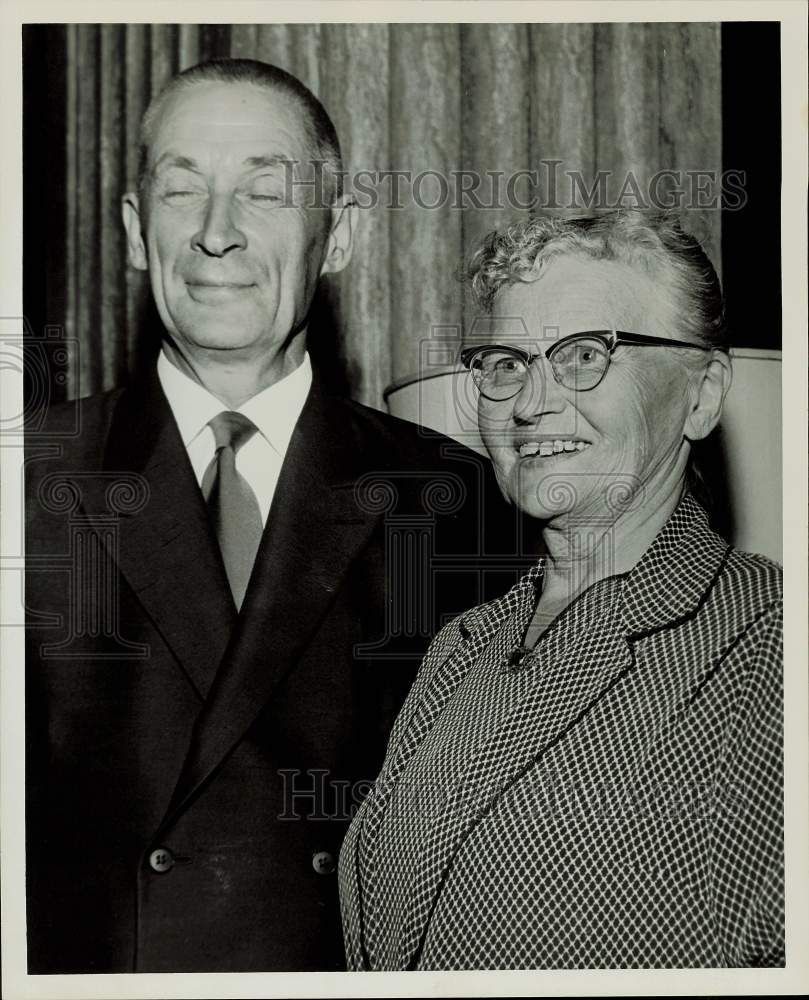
point(652, 242)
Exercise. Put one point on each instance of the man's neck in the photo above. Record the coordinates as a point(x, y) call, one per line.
point(233, 379)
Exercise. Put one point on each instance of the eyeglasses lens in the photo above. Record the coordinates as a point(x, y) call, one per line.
point(498, 374)
point(577, 365)
point(580, 364)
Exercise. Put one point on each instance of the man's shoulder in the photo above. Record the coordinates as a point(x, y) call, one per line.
point(78, 427)
point(404, 439)
point(73, 417)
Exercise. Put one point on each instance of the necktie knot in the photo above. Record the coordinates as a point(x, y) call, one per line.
point(231, 429)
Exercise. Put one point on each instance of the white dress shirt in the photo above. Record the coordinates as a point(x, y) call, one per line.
point(274, 410)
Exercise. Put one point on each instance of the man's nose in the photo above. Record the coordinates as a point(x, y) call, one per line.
point(219, 233)
point(540, 393)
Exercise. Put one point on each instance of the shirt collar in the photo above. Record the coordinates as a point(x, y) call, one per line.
point(274, 410)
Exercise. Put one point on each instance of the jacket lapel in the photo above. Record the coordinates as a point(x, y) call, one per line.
point(165, 548)
point(447, 662)
point(314, 531)
point(554, 705)
point(671, 580)
point(666, 586)
point(445, 665)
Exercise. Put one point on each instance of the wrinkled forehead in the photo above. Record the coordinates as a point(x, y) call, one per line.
point(575, 294)
point(222, 116)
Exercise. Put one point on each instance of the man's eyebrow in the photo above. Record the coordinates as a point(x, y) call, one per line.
point(273, 160)
point(187, 163)
point(173, 160)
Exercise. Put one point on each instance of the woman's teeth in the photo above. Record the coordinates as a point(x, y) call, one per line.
point(546, 448)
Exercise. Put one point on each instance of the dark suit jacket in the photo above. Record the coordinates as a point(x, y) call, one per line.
point(158, 719)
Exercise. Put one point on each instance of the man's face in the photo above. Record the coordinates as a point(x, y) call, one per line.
point(625, 433)
point(233, 265)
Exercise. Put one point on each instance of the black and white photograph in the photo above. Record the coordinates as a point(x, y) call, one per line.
point(404, 458)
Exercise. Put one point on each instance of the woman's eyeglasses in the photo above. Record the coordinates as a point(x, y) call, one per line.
point(579, 362)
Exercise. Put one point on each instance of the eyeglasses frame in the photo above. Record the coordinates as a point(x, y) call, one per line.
point(609, 338)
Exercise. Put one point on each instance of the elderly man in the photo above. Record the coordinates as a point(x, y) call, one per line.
point(215, 677)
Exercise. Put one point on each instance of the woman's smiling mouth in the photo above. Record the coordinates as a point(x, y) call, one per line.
point(547, 447)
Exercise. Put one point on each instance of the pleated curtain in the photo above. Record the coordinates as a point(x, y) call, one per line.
point(435, 99)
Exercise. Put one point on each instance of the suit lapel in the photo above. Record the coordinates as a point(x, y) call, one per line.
point(315, 529)
point(165, 549)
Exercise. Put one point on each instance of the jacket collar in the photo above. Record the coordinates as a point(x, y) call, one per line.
point(482, 622)
point(667, 584)
point(674, 574)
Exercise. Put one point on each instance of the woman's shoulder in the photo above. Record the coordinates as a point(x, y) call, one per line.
point(747, 617)
point(752, 581)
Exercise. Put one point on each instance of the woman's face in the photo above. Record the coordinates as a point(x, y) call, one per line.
point(624, 438)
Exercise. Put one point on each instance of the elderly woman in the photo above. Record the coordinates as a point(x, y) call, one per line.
point(587, 771)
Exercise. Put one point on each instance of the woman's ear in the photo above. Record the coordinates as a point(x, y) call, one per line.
point(707, 391)
point(136, 248)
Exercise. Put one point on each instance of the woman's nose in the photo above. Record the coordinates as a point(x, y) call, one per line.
point(540, 393)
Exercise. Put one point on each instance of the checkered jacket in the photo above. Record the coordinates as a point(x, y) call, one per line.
point(626, 812)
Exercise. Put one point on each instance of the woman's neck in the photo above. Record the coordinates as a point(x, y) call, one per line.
point(580, 553)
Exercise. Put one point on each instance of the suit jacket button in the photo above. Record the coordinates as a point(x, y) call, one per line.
point(323, 863)
point(161, 860)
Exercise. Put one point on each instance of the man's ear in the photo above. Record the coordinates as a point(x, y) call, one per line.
point(707, 391)
point(136, 248)
point(344, 218)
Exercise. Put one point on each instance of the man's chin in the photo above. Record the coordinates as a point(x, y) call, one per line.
point(218, 330)
point(231, 342)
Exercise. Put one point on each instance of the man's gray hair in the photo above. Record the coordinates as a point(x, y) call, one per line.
point(319, 129)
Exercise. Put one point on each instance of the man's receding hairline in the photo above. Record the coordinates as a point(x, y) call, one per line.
point(178, 86)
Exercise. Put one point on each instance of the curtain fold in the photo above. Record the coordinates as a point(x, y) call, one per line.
point(463, 110)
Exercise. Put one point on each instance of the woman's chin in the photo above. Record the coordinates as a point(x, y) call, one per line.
point(545, 495)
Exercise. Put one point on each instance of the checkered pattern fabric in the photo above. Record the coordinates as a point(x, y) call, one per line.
point(616, 801)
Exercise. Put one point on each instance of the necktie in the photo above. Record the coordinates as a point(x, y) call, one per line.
point(232, 504)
